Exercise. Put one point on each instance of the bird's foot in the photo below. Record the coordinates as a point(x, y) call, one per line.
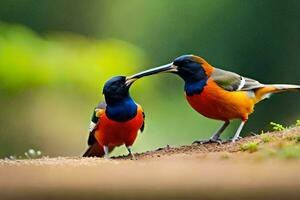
point(130, 153)
point(234, 139)
point(210, 141)
point(132, 156)
point(106, 157)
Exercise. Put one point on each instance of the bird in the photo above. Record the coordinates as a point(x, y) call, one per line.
point(115, 121)
point(218, 94)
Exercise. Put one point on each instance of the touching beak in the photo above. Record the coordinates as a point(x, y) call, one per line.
point(165, 68)
point(130, 80)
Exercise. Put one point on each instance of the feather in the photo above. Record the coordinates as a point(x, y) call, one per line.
point(95, 121)
point(143, 126)
point(234, 82)
point(94, 151)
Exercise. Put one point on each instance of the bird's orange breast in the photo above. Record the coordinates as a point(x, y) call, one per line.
point(113, 133)
point(217, 103)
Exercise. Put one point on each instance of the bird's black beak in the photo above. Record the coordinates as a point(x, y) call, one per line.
point(165, 68)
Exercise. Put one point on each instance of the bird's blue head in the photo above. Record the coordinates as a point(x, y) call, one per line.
point(120, 106)
point(117, 89)
point(189, 68)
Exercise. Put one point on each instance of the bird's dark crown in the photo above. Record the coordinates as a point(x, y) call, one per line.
point(115, 89)
point(120, 106)
point(190, 68)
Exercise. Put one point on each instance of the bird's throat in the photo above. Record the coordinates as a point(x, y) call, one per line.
point(124, 110)
point(192, 88)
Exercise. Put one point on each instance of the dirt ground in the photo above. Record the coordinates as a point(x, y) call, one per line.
point(189, 172)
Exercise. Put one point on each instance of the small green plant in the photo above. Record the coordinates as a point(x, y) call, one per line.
point(251, 147)
point(289, 152)
point(277, 127)
point(298, 122)
point(266, 138)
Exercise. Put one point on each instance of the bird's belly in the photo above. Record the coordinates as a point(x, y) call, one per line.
point(113, 133)
point(221, 104)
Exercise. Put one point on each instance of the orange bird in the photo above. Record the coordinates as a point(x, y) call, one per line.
point(216, 93)
point(116, 121)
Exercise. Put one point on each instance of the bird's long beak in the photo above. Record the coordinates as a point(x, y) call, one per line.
point(165, 68)
point(130, 80)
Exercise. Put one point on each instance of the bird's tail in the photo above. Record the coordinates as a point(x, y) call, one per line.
point(267, 90)
point(96, 150)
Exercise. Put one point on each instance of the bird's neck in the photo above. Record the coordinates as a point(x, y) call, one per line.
point(122, 110)
point(194, 87)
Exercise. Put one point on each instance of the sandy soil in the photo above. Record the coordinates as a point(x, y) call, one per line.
point(187, 172)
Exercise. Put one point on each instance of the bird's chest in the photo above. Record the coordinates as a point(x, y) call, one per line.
point(116, 133)
point(220, 104)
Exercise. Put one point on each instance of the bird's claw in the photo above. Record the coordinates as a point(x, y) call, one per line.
point(210, 141)
point(107, 158)
point(132, 156)
point(233, 140)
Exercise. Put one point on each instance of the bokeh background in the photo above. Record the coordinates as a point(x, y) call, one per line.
point(55, 56)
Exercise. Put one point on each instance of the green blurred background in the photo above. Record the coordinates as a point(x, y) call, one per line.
point(55, 56)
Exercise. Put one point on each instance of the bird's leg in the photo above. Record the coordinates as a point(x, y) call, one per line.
point(129, 149)
point(215, 138)
point(239, 130)
point(106, 152)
